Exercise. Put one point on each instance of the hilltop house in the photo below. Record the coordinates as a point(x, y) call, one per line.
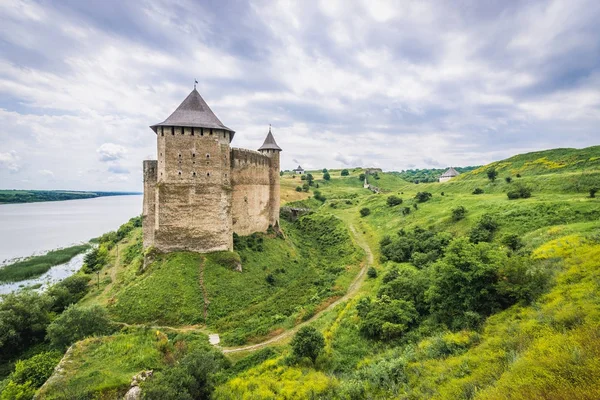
point(449, 174)
point(298, 170)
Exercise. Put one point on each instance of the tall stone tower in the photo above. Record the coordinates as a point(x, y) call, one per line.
point(192, 184)
point(272, 150)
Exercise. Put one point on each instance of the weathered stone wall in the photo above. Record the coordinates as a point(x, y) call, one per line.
point(193, 205)
point(251, 207)
point(149, 207)
point(273, 186)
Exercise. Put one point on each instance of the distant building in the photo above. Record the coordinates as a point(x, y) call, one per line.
point(449, 174)
point(298, 170)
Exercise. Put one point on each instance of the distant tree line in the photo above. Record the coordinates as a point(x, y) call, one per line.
point(428, 175)
point(31, 196)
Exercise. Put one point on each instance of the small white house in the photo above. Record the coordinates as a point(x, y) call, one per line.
point(298, 170)
point(449, 174)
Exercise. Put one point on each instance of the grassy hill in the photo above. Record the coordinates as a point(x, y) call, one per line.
point(498, 300)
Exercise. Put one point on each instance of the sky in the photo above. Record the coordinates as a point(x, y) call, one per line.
point(373, 83)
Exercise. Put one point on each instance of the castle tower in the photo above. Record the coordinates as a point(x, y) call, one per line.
point(187, 203)
point(272, 150)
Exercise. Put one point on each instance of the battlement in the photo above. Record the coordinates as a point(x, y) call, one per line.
point(244, 157)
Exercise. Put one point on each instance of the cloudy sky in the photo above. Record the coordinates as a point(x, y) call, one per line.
point(393, 84)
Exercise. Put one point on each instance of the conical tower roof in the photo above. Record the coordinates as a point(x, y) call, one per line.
point(193, 112)
point(270, 143)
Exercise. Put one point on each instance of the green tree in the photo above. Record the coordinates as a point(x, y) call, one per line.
point(478, 191)
point(280, 173)
point(422, 197)
point(77, 323)
point(508, 179)
point(484, 230)
point(593, 192)
point(393, 201)
point(306, 187)
point(324, 170)
point(310, 179)
point(68, 291)
point(361, 177)
point(326, 176)
point(364, 212)
point(345, 172)
point(372, 273)
point(298, 188)
point(308, 342)
point(492, 174)
point(386, 318)
point(512, 241)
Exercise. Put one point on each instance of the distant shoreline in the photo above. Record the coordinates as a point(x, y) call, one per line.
point(14, 196)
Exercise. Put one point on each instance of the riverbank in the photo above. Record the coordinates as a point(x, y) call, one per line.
point(33, 196)
point(36, 266)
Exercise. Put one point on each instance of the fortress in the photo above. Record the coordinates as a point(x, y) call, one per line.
point(200, 190)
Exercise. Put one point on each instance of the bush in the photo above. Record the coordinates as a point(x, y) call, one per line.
point(270, 279)
point(372, 273)
point(484, 229)
point(193, 378)
point(345, 172)
point(512, 241)
point(422, 197)
point(478, 191)
point(319, 196)
point(458, 213)
point(308, 342)
point(406, 211)
point(68, 291)
point(302, 177)
point(520, 192)
point(77, 323)
point(36, 369)
point(324, 170)
point(306, 187)
point(95, 259)
point(393, 201)
point(364, 212)
point(407, 244)
point(362, 177)
point(593, 192)
point(326, 176)
point(508, 179)
point(385, 318)
point(298, 188)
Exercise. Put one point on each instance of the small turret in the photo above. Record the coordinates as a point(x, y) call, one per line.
point(272, 150)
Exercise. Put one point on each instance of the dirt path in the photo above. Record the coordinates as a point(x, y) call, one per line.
point(352, 290)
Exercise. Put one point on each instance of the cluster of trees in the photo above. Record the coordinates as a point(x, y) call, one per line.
point(468, 282)
point(519, 192)
point(30, 196)
point(419, 246)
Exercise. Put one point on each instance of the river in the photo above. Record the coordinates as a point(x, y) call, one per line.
point(36, 228)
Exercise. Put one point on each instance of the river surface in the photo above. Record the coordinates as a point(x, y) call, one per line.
point(36, 228)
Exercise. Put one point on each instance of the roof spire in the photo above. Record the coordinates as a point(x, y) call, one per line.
point(195, 83)
point(270, 143)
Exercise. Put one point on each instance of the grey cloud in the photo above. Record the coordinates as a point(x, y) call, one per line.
point(111, 152)
point(117, 169)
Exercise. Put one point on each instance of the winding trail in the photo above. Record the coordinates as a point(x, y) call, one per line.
point(352, 291)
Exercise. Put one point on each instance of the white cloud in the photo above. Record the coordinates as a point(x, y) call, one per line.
point(10, 161)
point(46, 173)
point(111, 152)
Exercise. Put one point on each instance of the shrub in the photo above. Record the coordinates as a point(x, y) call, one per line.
point(478, 191)
point(303, 177)
point(36, 369)
point(326, 176)
point(393, 201)
point(319, 196)
point(193, 378)
point(508, 179)
point(415, 206)
point(308, 342)
point(458, 213)
point(77, 323)
point(520, 192)
point(270, 279)
point(372, 273)
point(364, 212)
point(306, 187)
point(345, 172)
point(68, 291)
point(324, 170)
point(385, 318)
point(361, 177)
point(407, 244)
point(512, 241)
point(95, 259)
point(518, 175)
point(406, 211)
point(310, 179)
point(422, 197)
point(298, 188)
point(492, 174)
point(484, 230)
point(593, 192)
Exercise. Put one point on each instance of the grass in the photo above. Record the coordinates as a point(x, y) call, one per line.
point(36, 266)
point(103, 367)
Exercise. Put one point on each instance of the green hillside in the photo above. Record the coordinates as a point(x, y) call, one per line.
point(459, 296)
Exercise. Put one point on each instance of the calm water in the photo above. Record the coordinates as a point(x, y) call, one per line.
point(35, 228)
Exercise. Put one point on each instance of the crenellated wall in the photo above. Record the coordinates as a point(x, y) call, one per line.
point(250, 181)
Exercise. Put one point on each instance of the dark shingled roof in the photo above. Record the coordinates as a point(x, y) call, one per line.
point(270, 143)
point(194, 112)
point(450, 173)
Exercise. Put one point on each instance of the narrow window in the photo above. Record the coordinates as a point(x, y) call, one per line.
point(201, 131)
point(208, 156)
point(179, 155)
point(192, 131)
point(162, 133)
point(211, 132)
point(208, 174)
point(194, 174)
point(225, 134)
point(173, 130)
point(179, 173)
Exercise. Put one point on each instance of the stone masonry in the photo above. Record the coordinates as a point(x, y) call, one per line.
point(200, 190)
